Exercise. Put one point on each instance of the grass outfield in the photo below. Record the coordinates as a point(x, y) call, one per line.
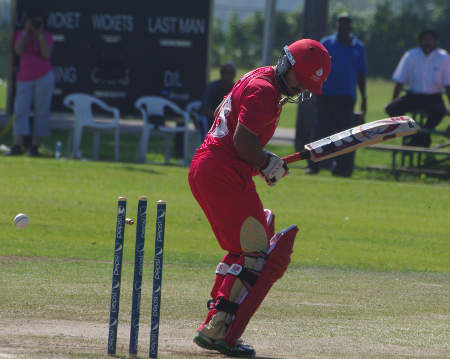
point(349, 223)
point(369, 277)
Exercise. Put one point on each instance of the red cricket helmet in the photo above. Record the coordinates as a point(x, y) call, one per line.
point(311, 63)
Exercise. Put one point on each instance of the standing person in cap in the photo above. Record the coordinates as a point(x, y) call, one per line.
point(221, 181)
point(335, 105)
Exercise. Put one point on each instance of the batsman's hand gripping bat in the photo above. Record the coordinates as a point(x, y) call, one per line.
point(354, 138)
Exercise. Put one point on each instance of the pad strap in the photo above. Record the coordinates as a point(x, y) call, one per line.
point(223, 305)
point(243, 274)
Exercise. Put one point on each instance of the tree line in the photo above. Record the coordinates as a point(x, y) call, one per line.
point(387, 32)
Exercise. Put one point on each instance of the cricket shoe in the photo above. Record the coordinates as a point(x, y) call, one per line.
point(239, 350)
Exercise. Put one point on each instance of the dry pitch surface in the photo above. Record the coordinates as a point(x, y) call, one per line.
point(59, 309)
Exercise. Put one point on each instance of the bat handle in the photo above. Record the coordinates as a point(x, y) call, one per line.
point(298, 156)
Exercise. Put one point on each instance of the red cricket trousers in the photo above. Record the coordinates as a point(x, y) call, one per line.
point(224, 188)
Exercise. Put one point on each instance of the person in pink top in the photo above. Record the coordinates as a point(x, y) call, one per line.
point(221, 181)
point(35, 83)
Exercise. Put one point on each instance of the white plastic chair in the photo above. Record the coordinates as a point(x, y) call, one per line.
point(193, 106)
point(154, 106)
point(200, 121)
point(81, 104)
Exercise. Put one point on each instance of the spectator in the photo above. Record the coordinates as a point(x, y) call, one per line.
point(426, 71)
point(35, 83)
point(335, 105)
point(216, 91)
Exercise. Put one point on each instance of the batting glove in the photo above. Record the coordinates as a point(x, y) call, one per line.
point(273, 169)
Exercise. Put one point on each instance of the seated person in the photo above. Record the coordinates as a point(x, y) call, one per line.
point(426, 71)
point(216, 91)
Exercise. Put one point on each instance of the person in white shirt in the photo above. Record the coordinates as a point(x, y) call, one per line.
point(426, 71)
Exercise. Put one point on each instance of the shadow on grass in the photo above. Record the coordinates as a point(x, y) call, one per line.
point(142, 169)
point(208, 354)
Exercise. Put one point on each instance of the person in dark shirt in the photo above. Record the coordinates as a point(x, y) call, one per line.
point(217, 90)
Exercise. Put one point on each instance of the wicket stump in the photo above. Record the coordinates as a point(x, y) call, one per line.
point(157, 278)
point(116, 276)
point(137, 280)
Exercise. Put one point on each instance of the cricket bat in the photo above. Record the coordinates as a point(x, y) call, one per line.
point(354, 138)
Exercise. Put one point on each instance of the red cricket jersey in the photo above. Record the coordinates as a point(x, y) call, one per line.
point(253, 101)
point(220, 180)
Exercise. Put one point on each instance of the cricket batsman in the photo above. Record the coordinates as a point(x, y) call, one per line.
point(221, 181)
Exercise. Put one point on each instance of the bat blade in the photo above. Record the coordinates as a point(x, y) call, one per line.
point(354, 138)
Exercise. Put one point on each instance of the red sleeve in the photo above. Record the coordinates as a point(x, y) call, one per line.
point(258, 105)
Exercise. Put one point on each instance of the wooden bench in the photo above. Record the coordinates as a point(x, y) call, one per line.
point(411, 150)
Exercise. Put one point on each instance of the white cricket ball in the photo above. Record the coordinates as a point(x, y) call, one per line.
point(21, 220)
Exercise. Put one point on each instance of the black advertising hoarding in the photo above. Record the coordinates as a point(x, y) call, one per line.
point(120, 50)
